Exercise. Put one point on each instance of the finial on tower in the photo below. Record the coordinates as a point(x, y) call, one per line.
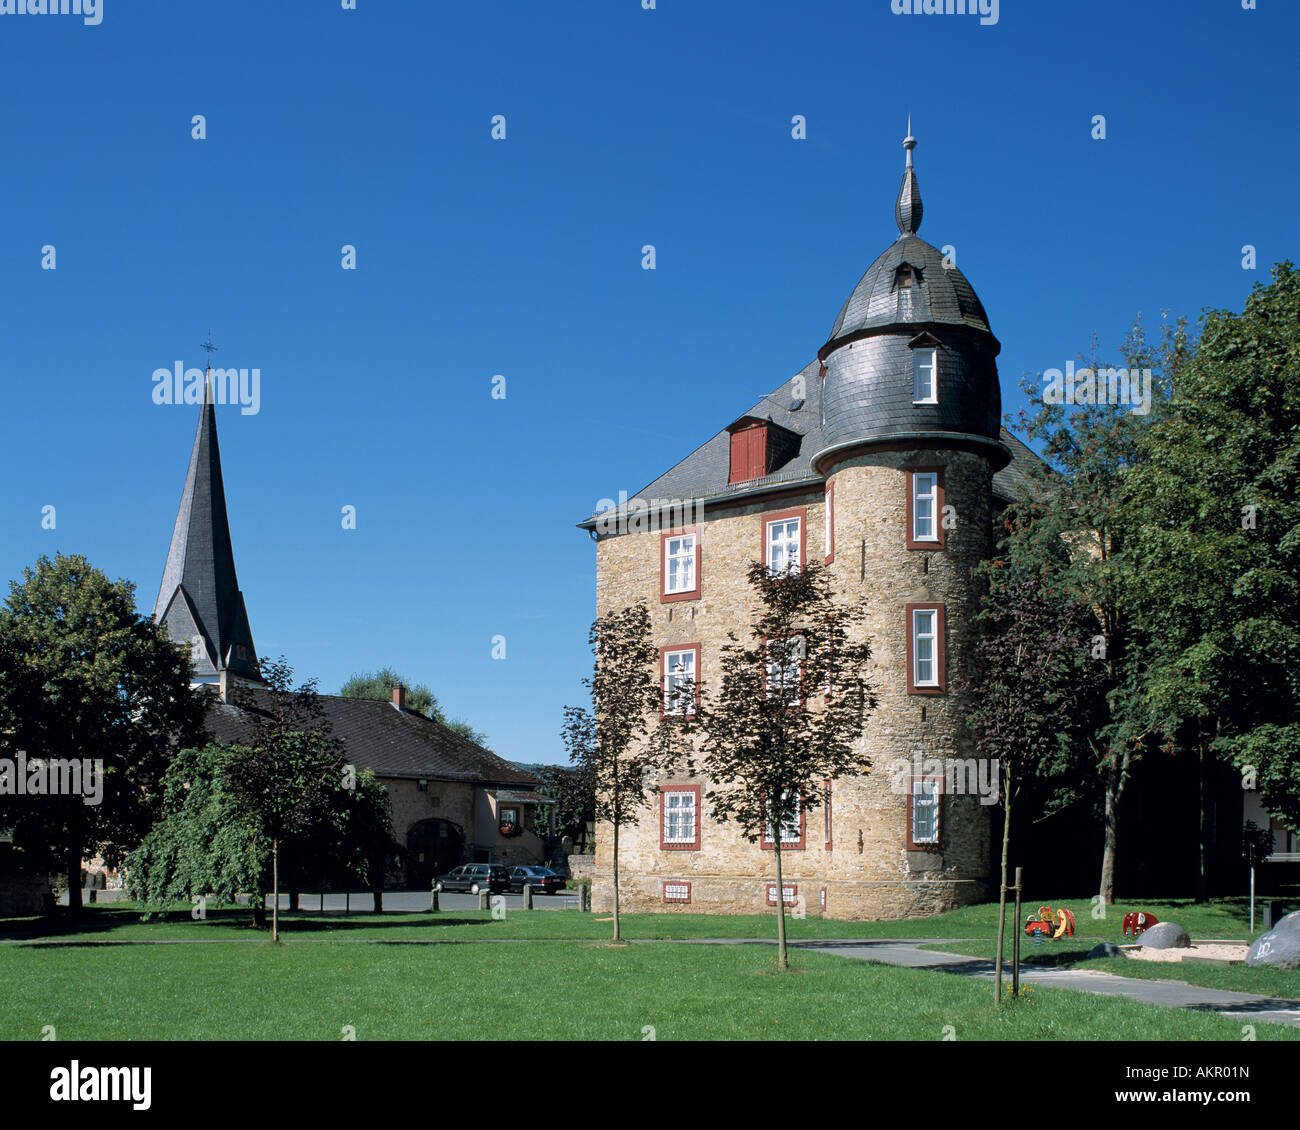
point(907, 210)
point(213, 349)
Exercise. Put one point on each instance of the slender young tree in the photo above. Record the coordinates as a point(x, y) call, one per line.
point(787, 715)
point(282, 779)
point(1034, 689)
point(614, 741)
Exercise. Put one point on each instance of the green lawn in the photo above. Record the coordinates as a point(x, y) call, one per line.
point(117, 922)
point(315, 989)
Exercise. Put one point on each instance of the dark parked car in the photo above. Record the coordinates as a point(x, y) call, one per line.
point(475, 877)
point(542, 879)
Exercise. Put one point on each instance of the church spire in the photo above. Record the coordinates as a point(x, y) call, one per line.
point(907, 209)
point(199, 599)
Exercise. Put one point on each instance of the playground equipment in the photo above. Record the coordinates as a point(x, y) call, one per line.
point(1050, 924)
point(1135, 921)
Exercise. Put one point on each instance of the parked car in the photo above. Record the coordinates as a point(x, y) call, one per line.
point(542, 879)
point(475, 877)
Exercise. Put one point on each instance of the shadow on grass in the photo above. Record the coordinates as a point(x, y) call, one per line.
point(101, 921)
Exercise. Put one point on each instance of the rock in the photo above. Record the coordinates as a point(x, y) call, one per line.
point(1165, 936)
point(1106, 949)
point(1280, 947)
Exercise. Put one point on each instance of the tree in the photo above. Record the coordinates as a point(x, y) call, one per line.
point(208, 844)
point(1075, 529)
point(1216, 545)
point(613, 740)
point(1033, 690)
point(282, 781)
point(573, 788)
point(378, 687)
point(83, 678)
point(788, 714)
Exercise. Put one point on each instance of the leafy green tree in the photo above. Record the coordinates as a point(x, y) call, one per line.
point(573, 788)
point(207, 844)
point(283, 780)
point(1216, 546)
point(787, 715)
point(1034, 690)
point(613, 741)
point(82, 676)
point(378, 687)
point(1073, 532)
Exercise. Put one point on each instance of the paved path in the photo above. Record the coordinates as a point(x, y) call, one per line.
point(1247, 1007)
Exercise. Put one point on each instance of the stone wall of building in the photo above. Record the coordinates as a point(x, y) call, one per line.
point(860, 867)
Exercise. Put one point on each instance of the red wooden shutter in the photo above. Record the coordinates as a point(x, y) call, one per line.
point(739, 457)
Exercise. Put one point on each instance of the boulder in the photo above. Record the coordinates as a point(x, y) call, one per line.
point(1106, 949)
point(1280, 947)
point(1165, 936)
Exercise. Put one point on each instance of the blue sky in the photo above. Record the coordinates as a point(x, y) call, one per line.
point(523, 258)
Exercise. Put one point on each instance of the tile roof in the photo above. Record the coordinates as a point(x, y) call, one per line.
point(382, 738)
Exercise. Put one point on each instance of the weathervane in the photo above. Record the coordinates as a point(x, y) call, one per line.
point(210, 348)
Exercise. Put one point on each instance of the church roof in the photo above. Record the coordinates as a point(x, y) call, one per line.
point(380, 737)
point(199, 599)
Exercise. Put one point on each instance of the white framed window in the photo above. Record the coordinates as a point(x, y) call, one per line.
point(925, 810)
point(679, 676)
point(792, 829)
point(784, 544)
point(783, 678)
point(925, 385)
point(925, 639)
point(677, 892)
point(925, 504)
point(679, 564)
point(680, 816)
point(789, 893)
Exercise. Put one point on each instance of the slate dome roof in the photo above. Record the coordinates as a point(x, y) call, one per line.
point(938, 295)
point(909, 300)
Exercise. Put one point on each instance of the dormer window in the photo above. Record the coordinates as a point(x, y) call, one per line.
point(904, 280)
point(759, 447)
point(925, 369)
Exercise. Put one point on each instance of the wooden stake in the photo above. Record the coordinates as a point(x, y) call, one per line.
point(1015, 949)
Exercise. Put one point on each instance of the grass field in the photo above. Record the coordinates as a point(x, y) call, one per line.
point(315, 989)
point(554, 976)
point(121, 922)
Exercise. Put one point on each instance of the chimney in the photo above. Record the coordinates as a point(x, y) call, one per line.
point(399, 696)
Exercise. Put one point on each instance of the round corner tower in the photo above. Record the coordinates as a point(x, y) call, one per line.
point(911, 409)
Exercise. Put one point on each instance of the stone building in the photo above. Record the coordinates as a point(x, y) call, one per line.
point(453, 801)
point(885, 458)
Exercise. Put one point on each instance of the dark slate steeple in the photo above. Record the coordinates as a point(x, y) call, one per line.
point(199, 599)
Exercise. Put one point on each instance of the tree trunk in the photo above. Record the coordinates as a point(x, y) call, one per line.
point(782, 960)
point(275, 892)
point(1116, 779)
point(617, 936)
point(293, 900)
point(1002, 893)
point(1203, 862)
point(257, 904)
point(74, 880)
